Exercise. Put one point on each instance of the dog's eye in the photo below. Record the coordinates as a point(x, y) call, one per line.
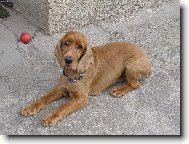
point(80, 47)
point(66, 43)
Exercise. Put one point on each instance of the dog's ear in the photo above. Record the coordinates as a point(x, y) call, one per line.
point(86, 60)
point(59, 46)
point(57, 51)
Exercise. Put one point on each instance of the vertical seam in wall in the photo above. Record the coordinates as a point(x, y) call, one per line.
point(48, 17)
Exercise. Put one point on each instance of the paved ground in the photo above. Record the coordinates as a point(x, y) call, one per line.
point(28, 71)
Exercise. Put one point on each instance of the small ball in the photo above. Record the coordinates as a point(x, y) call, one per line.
point(25, 37)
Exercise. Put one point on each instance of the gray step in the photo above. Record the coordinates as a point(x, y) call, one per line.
point(61, 15)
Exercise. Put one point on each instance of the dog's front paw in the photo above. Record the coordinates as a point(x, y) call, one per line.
point(50, 120)
point(29, 110)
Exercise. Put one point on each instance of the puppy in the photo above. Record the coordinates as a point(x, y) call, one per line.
point(88, 71)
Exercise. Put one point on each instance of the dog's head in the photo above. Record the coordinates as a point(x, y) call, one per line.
point(72, 51)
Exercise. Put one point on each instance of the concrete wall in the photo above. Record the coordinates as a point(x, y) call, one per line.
point(61, 15)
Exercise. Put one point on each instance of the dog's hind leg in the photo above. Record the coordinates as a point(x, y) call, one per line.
point(135, 70)
point(122, 90)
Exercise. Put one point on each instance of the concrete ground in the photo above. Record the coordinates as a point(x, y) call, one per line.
point(29, 71)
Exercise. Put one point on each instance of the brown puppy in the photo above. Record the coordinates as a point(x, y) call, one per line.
point(89, 71)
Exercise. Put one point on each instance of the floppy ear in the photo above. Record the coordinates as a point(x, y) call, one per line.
point(57, 51)
point(58, 46)
point(85, 61)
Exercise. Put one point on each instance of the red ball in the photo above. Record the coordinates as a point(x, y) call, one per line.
point(25, 37)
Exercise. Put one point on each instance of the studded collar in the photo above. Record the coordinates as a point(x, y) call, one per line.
point(75, 79)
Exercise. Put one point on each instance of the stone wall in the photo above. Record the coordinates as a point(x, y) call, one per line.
point(61, 15)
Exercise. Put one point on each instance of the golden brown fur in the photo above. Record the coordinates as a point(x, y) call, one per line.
point(102, 67)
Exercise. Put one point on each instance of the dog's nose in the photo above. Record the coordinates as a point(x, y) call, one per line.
point(68, 60)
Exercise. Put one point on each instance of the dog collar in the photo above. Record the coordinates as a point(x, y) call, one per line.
point(72, 80)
